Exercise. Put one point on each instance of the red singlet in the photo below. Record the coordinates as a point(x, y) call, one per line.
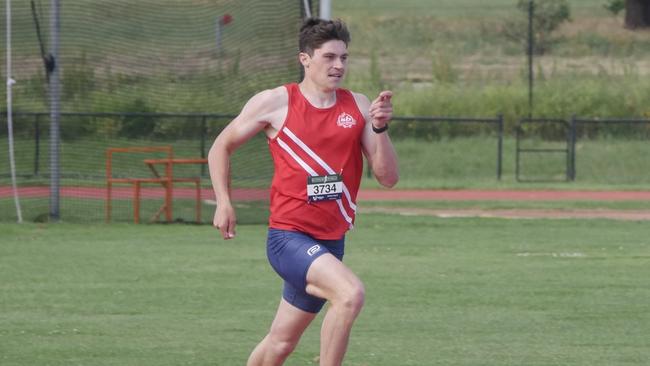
point(316, 142)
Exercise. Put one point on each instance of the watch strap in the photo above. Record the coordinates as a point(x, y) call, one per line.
point(379, 130)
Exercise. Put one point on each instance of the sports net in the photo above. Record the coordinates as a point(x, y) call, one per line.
point(141, 74)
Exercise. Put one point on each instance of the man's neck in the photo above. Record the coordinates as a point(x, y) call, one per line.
point(318, 97)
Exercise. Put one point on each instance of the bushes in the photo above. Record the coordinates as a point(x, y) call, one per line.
point(563, 97)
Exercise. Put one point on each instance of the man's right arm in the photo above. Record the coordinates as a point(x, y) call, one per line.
point(258, 113)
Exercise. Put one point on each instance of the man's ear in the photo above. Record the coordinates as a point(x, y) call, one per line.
point(304, 59)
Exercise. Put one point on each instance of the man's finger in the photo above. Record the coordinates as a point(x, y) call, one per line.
point(385, 95)
point(224, 231)
point(231, 229)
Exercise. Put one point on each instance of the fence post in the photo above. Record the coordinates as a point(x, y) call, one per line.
point(518, 128)
point(37, 144)
point(500, 146)
point(204, 131)
point(572, 147)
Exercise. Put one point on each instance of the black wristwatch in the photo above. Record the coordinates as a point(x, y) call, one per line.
point(379, 130)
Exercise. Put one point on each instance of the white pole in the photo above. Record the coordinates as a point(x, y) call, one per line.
point(10, 122)
point(305, 4)
point(325, 9)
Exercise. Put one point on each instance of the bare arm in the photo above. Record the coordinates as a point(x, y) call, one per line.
point(264, 110)
point(378, 147)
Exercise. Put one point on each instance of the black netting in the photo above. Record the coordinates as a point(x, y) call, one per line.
point(142, 73)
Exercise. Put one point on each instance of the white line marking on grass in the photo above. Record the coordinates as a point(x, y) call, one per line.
point(555, 255)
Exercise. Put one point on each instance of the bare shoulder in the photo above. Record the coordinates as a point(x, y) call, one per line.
point(361, 98)
point(268, 100)
point(363, 103)
point(267, 108)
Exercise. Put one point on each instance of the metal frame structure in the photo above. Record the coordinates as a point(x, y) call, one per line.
point(569, 150)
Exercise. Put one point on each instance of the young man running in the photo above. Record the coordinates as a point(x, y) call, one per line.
point(317, 133)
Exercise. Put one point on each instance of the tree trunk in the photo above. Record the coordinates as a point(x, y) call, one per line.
point(637, 14)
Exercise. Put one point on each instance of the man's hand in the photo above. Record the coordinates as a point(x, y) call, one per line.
point(225, 220)
point(381, 109)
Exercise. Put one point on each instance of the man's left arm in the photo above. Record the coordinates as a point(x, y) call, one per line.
point(375, 141)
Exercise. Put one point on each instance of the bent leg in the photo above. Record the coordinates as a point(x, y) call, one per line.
point(286, 329)
point(330, 279)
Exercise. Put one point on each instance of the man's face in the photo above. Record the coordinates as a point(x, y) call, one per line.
point(326, 67)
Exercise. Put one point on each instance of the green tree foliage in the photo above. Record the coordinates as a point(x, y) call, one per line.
point(615, 6)
point(548, 16)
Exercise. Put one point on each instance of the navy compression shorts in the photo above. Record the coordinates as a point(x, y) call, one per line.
point(290, 254)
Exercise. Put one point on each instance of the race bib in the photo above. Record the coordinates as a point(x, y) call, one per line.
point(324, 188)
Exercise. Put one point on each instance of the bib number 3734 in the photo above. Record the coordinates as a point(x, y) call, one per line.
point(324, 188)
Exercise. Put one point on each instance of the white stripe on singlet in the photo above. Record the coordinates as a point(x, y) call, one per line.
point(320, 162)
point(313, 173)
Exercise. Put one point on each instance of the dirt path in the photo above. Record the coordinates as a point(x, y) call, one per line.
point(628, 215)
point(510, 195)
point(502, 195)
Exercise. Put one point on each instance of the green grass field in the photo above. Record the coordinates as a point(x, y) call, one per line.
point(488, 292)
point(439, 292)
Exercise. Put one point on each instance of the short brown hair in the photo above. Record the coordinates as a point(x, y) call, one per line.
point(314, 32)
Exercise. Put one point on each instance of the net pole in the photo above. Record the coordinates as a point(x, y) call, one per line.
point(307, 6)
point(325, 9)
point(54, 114)
point(10, 122)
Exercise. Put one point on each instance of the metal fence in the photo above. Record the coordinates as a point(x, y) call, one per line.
point(495, 125)
point(197, 126)
point(85, 137)
point(568, 139)
point(611, 151)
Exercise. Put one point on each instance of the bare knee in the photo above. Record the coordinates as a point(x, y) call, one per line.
point(281, 348)
point(351, 300)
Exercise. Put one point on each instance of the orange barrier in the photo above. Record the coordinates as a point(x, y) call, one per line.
point(169, 163)
point(167, 180)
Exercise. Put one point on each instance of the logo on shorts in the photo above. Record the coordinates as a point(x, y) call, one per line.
point(313, 250)
point(345, 120)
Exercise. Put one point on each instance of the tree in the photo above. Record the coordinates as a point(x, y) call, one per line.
point(548, 15)
point(614, 6)
point(637, 14)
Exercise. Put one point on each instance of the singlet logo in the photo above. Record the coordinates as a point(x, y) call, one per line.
point(313, 250)
point(345, 120)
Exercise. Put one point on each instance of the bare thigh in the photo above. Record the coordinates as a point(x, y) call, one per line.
point(330, 279)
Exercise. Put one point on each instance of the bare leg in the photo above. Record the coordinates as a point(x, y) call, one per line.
point(330, 279)
point(288, 325)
